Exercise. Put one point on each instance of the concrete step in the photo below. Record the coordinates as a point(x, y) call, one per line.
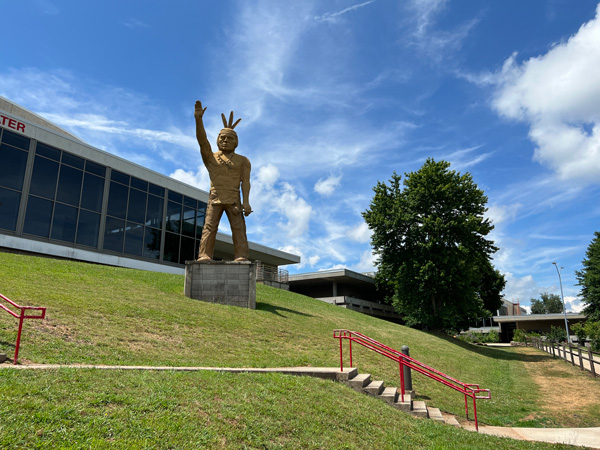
point(390, 395)
point(347, 374)
point(360, 381)
point(451, 420)
point(405, 405)
point(435, 414)
point(374, 388)
point(419, 409)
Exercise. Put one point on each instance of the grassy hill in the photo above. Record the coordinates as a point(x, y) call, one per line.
point(105, 315)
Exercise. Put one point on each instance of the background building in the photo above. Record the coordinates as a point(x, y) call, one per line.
point(345, 288)
point(62, 197)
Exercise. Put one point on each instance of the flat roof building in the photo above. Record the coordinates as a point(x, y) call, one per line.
point(344, 288)
point(540, 323)
point(62, 197)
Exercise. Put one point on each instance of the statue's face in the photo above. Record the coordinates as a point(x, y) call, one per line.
point(227, 140)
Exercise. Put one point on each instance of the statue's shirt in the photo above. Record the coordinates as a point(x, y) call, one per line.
point(225, 173)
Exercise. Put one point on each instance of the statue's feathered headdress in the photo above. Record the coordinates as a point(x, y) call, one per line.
point(229, 125)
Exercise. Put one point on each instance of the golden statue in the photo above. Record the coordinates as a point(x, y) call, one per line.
point(228, 171)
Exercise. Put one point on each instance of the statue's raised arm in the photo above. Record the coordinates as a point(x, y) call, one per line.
point(205, 148)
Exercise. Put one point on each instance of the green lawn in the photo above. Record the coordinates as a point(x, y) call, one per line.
point(105, 315)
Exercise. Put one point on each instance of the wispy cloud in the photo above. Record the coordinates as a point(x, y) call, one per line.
point(465, 158)
point(332, 17)
point(134, 23)
point(47, 7)
point(122, 122)
point(432, 41)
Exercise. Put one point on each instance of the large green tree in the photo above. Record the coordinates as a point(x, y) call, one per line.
point(589, 279)
point(429, 234)
point(547, 304)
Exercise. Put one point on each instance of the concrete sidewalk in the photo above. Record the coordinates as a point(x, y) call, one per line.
point(585, 437)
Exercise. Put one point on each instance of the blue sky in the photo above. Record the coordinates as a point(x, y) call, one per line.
point(335, 96)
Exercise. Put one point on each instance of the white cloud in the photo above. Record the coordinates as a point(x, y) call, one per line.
point(437, 44)
point(360, 233)
point(305, 261)
point(558, 95)
point(327, 186)
point(333, 267)
point(366, 263)
point(199, 179)
point(46, 7)
point(273, 200)
point(574, 304)
point(333, 17)
point(465, 158)
point(268, 175)
point(521, 289)
point(503, 213)
point(122, 122)
point(425, 13)
point(296, 210)
point(134, 23)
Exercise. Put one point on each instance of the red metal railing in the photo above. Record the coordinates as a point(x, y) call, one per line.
point(468, 390)
point(21, 316)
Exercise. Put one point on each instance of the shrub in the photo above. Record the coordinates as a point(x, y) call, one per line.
point(492, 336)
point(519, 336)
point(557, 334)
point(592, 328)
point(580, 331)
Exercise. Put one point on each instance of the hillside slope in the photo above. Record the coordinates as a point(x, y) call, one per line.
point(106, 315)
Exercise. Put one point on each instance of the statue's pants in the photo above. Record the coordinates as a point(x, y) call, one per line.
point(214, 212)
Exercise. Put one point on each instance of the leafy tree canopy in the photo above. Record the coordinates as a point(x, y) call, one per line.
point(548, 304)
point(589, 279)
point(433, 258)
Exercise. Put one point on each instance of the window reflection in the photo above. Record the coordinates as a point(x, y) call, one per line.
point(12, 167)
point(64, 223)
point(9, 208)
point(44, 178)
point(37, 216)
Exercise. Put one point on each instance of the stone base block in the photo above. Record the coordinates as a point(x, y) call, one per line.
point(224, 282)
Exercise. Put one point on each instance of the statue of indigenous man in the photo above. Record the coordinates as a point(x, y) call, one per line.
point(228, 172)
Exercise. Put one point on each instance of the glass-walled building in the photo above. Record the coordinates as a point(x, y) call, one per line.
point(62, 197)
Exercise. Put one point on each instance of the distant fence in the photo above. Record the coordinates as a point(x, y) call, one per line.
point(576, 355)
point(269, 273)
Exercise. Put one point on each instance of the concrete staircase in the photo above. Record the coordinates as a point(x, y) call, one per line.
point(364, 384)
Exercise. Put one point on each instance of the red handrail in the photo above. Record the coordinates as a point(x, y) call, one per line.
point(21, 316)
point(468, 390)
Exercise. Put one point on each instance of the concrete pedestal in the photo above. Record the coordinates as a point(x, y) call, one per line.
point(223, 282)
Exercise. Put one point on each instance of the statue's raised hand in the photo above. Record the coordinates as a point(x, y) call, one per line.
point(198, 110)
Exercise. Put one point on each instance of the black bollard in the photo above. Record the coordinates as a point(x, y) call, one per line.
point(407, 374)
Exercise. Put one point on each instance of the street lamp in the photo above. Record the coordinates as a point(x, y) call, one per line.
point(563, 302)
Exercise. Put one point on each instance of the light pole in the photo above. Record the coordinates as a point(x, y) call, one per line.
point(563, 302)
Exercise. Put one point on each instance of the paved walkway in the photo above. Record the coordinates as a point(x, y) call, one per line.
point(585, 437)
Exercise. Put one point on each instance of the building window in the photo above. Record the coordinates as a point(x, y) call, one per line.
point(65, 197)
point(9, 208)
point(14, 150)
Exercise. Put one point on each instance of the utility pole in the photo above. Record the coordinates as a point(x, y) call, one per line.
point(563, 302)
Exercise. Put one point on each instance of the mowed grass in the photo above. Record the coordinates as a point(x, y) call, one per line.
point(71, 408)
point(105, 315)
